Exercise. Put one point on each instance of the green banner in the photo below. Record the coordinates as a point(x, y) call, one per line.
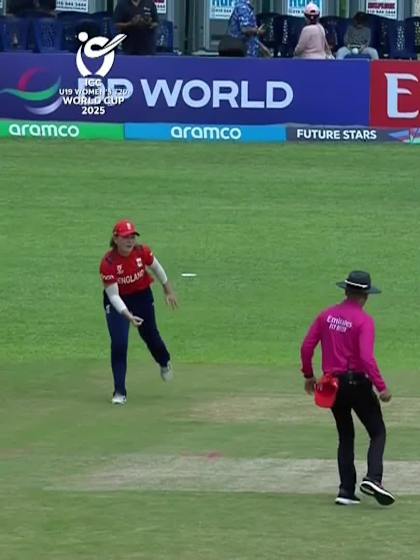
point(61, 130)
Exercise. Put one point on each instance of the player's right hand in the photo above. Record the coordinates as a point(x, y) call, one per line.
point(136, 321)
point(385, 395)
point(310, 385)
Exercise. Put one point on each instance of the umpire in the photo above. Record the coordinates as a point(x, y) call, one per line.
point(347, 336)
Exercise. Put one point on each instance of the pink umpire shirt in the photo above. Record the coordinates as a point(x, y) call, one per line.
point(347, 336)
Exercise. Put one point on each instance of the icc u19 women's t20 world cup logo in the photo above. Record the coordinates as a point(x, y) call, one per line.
point(89, 48)
point(95, 93)
point(43, 92)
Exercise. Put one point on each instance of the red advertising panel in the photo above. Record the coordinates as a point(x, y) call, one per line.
point(395, 94)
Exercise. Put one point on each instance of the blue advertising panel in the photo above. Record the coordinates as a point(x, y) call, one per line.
point(184, 90)
point(206, 133)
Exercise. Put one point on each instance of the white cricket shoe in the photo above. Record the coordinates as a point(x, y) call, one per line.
point(119, 399)
point(342, 500)
point(167, 373)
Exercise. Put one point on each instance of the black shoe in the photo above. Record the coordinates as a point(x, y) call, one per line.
point(375, 489)
point(344, 500)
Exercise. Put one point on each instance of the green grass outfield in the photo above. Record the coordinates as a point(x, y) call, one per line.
point(231, 461)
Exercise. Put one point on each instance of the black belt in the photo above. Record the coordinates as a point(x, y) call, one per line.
point(353, 377)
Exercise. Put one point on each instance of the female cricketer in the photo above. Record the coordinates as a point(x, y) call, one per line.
point(128, 298)
point(347, 335)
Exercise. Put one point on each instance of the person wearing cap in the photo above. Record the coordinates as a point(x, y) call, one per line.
point(312, 43)
point(128, 299)
point(347, 334)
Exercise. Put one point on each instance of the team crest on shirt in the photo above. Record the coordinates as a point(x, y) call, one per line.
point(139, 262)
point(120, 269)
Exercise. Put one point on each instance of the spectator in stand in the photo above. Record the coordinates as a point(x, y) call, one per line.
point(312, 41)
point(243, 25)
point(358, 38)
point(138, 19)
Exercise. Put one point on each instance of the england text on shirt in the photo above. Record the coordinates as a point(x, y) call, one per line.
point(129, 272)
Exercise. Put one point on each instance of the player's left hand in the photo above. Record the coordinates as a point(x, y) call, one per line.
point(171, 300)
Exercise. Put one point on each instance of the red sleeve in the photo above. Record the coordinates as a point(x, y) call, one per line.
point(107, 271)
point(308, 347)
point(148, 255)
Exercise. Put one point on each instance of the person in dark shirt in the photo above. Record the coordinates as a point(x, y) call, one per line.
point(138, 19)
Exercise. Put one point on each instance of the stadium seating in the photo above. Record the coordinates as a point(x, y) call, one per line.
point(283, 32)
point(281, 35)
point(413, 28)
point(381, 40)
point(40, 31)
point(401, 41)
point(295, 26)
point(287, 31)
point(335, 29)
point(72, 26)
point(392, 39)
point(48, 35)
point(165, 37)
point(271, 41)
point(14, 34)
point(107, 26)
point(37, 33)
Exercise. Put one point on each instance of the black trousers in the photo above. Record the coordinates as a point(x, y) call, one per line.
point(355, 393)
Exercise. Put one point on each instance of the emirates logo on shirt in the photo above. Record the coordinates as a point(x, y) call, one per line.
point(339, 324)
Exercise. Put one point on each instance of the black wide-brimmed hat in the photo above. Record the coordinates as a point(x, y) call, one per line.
point(359, 281)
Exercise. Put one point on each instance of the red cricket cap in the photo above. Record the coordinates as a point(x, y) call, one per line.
point(125, 228)
point(326, 391)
